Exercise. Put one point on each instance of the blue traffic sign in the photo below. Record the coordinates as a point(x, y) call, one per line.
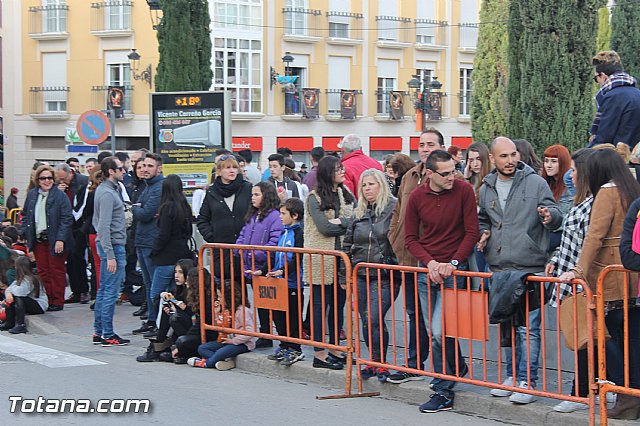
point(93, 127)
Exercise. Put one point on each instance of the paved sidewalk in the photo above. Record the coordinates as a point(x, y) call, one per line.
point(77, 320)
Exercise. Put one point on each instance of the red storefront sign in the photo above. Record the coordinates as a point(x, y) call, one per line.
point(330, 143)
point(386, 143)
point(303, 144)
point(252, 143)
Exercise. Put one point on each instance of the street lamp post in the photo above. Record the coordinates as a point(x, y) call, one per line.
point(427, 103)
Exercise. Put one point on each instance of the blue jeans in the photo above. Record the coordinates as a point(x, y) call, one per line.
point(163, 280)
point(144, 259)
point(216, 351)
point(444, 387)
point(109, 291)
point(373, 305)
point(522, 369)
point(412, 305)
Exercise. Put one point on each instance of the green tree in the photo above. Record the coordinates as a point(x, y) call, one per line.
point(185, 46)
point(625, 34)
point(604, 30)
point(550, 70)
point(490, 73)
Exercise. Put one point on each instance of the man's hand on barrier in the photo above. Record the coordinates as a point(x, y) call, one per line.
point(434, 274)
point(548, 269)
point(567, 277)
point(483, 240)
point(446, 269)
point(249, 271)
point(277, 273)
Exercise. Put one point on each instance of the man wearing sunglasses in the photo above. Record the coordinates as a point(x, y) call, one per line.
point(618, 103)
point(441, 230)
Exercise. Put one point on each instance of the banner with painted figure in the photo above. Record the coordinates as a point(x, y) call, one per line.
point(115, 100)
point(396, 103)
point(348, 104)
point(310, 103)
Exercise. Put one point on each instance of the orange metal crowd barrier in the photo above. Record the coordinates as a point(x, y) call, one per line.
point(271, 295)
point(620, 338)
point(14, 214)
point(464, 324)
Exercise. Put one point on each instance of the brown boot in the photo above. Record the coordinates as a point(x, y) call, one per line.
point(627, 407)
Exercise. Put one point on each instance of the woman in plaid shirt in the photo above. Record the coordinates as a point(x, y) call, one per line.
point(566, 256)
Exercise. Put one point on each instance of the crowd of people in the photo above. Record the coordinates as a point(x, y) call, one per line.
point(497, 209)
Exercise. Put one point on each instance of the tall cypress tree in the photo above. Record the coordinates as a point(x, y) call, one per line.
point(553, 57)
point(490, 73)
point(185, 46)
point(625, 34)
point(604, 30)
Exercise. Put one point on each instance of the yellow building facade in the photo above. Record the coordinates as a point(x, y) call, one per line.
point(64, 54)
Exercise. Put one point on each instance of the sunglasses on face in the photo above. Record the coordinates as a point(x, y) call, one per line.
point(595, 77)
point(43, 178)
point(445, 174)
point(119, 168)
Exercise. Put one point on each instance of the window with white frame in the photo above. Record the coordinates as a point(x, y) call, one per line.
point(387, 81)
point(117, 72)
point(238, 69)
point(238, 14)
point(54, 16)
point(388, 29)
point(426, 25)
point(295, 19)
point(465, 91)
point(54, 81)
point(338, 78)
point(339, 23)
point(424, 74)
point(117, 15)
point(469, 23)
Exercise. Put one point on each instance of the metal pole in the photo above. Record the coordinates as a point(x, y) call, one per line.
point(112, 120)
point(425, 105)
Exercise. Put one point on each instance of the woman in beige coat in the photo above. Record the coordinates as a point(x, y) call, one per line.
point(328, 210)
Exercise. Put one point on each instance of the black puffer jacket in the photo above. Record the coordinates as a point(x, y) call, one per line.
point(219, 224)
point(366, 238)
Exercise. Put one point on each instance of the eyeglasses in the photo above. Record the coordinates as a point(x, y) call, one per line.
point(595, 77)
point(339, 169)
point(445, 174)
point(120, 168)
point(226, 157)
point(42, 178)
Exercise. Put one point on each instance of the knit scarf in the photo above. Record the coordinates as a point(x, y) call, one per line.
point(615, 80)
point(228, 189)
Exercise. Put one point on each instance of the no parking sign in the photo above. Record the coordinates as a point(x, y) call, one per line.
point(93, 127)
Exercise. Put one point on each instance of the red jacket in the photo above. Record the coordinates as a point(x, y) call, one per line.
point(354, 164)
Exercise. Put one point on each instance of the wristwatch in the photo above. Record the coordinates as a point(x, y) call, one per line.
point(455, 263)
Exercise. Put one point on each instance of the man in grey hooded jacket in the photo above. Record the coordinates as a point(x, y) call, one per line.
point(517, 211)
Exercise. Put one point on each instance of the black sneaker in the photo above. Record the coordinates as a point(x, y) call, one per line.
point(151, 334)
point(368, 372)
point(402, 377)
point(115, 340)
point(438, 402)
point(18, 329)
point(96, 339)
point(264, 343)
point(278, 355)
point(149, 356)
point(291, 357)
point(146, 326)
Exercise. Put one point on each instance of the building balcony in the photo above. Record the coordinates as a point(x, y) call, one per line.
point(430, 34)
point(343, 104)
point(468, 37)
point(99, 99)
point(302, 25)
point(393, 106)
point(344, 28)
point(48, 103)
point(48, 22)
point(111, 18)
point(393, 32)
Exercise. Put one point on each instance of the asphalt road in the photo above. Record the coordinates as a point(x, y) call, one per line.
point(66, 365)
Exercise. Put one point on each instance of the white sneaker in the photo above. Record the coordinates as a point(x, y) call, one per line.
point(501, 392)
point(611, 400)
point(523, 398)
point(570, 407)
point(225, 365)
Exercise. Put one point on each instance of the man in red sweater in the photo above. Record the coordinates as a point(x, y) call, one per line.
point(441, 230)
point(355, 161)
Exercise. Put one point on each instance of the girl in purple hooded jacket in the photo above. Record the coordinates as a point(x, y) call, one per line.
point(263, 228)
